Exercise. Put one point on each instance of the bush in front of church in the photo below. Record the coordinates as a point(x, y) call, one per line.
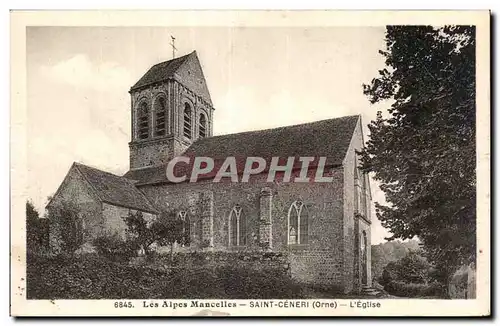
point(66, 231)
point(94, 277)
point(415, 290)
point(114, 247)
point(166, 230)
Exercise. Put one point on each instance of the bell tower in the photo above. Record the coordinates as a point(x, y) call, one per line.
point(171, 108)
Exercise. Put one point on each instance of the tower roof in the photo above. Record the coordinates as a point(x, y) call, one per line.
point(186, 70)
point(160, 72)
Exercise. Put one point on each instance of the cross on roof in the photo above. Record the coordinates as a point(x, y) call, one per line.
point(173, 46)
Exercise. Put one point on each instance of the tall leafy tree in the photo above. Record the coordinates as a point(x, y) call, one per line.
point(140, 232)
point(65, 219)
point(167, 229)
point(423, 150)
point(33, 229)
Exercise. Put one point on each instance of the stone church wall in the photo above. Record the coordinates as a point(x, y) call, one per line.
point(190, 74)
point(74, 189)
point(365, 227)
point(353, 230)
point(96, 218)
point(150, 152)
point(319, 262)
point(113, 218)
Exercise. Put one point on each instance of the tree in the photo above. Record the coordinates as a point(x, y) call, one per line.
point(423, 151)
point(391, 251)
point(65, 218)
point(139, 232)
point(389, 273)
point(412, 268)
point(167, 229)
point(36, 231)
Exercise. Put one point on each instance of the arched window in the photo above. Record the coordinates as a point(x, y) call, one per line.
point(363, 177)
point(186, 229)
point(203, 126)
point(187, 120)
point(160, 119)
point(357, 191)
point(237, 227)
point(293, 235)
point(360, 191)
point(143, 120)
point(233, 226)
point(298, 223)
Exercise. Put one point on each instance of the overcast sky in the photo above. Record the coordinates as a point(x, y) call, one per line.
point(79, 77)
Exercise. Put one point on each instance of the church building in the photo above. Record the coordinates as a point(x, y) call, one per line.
point(323, 227)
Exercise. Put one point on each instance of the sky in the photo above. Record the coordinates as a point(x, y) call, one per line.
point(78, 78)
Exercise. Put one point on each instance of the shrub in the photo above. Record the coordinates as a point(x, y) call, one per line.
point(92, 277)
point(413, 268)
point(36, 230)
point(114, 247)
point(413, 290)
point(65, 219)
point(403, 289)
point(389, 274)
point(167, 229)
point(435, 288)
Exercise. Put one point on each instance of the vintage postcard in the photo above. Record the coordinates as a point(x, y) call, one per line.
point(260, 163)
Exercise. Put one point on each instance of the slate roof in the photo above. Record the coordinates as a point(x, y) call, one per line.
point(160, 72)
point(114, 189)
point(325, 138)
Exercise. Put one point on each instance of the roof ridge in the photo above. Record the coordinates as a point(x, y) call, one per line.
point(94, 168)
point(329, 138)
point(278, 128)
point(150, 76)
point(98, 193)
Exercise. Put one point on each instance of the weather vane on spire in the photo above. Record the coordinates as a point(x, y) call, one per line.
point(173, 46)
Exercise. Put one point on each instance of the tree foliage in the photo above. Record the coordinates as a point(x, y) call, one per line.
point(412, 268)
point(423, 151)
point(139, 232)
point(114, 247)
point(167, 229)
point(36, 229)
point(391, 251)
point(65, 218)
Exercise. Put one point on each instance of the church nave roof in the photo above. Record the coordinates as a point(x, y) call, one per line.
point(326, 138)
